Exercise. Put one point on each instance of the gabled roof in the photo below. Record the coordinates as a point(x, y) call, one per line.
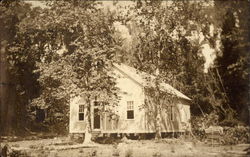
point(146, 80)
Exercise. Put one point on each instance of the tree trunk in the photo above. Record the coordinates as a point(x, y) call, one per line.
point(88, 134)
point(158, 127)
point(158, 121)
point(7, 94)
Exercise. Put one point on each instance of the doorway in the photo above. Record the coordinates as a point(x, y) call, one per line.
point(97, 119)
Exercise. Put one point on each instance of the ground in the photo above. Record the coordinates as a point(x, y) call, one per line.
point(64, 147)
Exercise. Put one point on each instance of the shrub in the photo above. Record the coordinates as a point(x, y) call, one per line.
point(236, 135)
point(107, 140)
point(18, 153)
point(234, 131)
point(230, 122)
point(200, 123)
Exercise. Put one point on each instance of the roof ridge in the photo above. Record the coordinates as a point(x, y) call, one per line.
point(121, 67)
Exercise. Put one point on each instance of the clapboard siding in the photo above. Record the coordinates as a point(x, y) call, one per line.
point(143, 122)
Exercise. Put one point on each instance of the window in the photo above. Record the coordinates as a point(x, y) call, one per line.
point(96, 103)
point(81, 113)
point(130, 110)
point(171, 113)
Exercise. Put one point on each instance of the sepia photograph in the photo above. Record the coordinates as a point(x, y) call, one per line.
point(124, 78)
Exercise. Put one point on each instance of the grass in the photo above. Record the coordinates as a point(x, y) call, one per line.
point(129, 153)
point(172, 149)
point(116, 153)
point(157, 154)
point(146, 148)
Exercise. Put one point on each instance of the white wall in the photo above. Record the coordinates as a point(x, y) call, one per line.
point(76, 126)
point(130, 91)
point(184, 109)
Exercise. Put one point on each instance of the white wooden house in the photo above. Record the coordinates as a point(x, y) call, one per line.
point(131, 117)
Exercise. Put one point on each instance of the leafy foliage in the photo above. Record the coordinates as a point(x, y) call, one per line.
point(236, 135)
point(233, 63)
point(67, 49)
point(77, 55)
point(16, 68)
point(167, 42)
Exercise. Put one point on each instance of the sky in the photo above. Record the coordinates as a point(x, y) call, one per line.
point(37, 3)
point(207, 52)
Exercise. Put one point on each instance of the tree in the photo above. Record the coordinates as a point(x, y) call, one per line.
point(74, 43)
point(16, 88)
point(233, 61)
point(168, 44)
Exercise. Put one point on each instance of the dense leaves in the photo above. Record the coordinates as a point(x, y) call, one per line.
point(168, 40)
point(68, 48)
point(78, 48)
point(18, 83)
point(51, 55)
point(233, 64)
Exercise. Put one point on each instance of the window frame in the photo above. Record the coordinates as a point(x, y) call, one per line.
point(130, 107)
point(171, 112)
point(81, 111)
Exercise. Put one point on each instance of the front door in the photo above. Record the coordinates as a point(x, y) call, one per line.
point(97, 119)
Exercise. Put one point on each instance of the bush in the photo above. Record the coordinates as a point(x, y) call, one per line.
point(199, 134)
point(230, 122)
point(200, 123)
point(60, 128)
point(107, 140)
point(234, 131)
point(18, 153)
point(236, 135)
